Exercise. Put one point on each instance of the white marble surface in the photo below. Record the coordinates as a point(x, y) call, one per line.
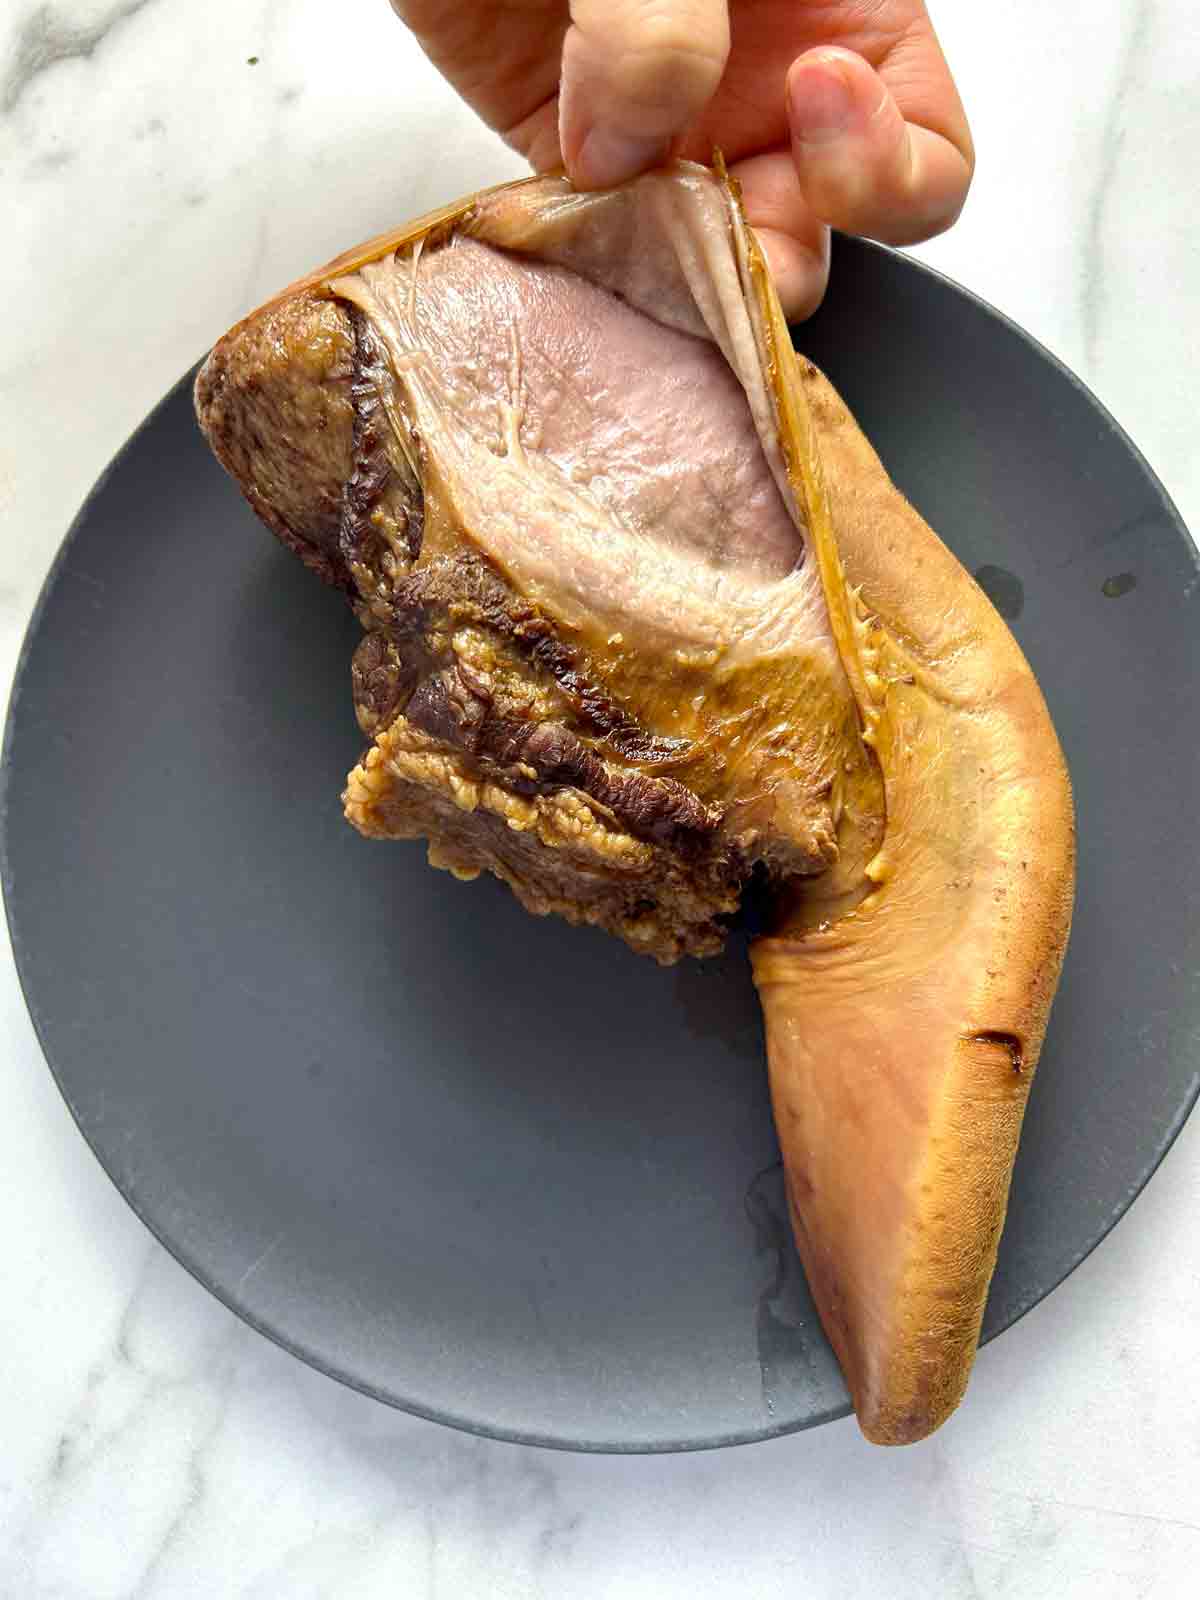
point(153, 185)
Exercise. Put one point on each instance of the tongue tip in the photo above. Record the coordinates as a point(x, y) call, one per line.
point(889, 1424)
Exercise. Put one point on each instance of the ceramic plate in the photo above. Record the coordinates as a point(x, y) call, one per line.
point(497, 1170)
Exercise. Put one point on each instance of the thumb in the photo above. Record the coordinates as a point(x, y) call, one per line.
point(635, 75)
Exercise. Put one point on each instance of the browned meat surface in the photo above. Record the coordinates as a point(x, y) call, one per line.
point(277, 410)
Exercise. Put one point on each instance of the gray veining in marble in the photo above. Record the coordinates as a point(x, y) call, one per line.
point(1134, 38)
point(48, 35)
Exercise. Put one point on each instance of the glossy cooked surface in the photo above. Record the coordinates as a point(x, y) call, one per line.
point(902, 1038)
point(583, 673)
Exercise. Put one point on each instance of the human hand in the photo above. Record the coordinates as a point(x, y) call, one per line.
point(830, 113)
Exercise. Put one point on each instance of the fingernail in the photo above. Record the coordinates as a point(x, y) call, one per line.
point(607, 158)
point(821, 101)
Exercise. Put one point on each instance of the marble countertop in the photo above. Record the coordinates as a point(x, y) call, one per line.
point(165, 166)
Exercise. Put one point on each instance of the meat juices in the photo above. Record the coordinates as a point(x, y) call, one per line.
point(642, 615)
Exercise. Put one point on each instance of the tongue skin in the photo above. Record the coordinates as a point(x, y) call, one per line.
point(902, 1038)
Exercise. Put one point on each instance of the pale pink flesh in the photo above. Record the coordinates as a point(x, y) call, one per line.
point(605, 430)
point(649, 422)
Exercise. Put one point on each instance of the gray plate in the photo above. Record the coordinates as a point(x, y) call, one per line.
point(492, 1169)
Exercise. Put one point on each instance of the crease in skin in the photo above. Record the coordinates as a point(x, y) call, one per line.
point(827, 689)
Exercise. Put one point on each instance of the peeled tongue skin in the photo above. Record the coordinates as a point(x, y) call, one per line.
point(655, 612)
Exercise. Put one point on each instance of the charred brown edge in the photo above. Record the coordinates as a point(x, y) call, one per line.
point(470, 589)
point(371, 471)
point(382, 682)
point(533, 757)
point(211, 383)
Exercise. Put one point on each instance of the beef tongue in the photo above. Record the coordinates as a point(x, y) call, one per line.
point(643, 616)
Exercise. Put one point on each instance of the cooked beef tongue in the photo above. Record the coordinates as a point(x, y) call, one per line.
point(643, 613)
